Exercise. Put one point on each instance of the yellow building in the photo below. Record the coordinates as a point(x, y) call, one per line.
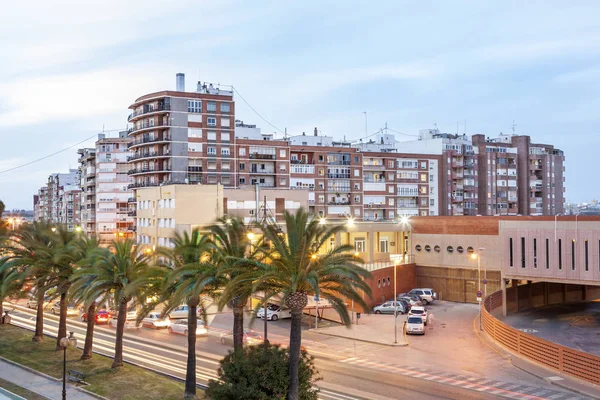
point(163, 211)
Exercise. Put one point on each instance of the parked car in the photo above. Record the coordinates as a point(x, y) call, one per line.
point(388, 308)
point(180, 327)
point(412, 300)
point(102, 316)
point(419, 311)
point(415, 325)
point(72, 309)
point(426, 295)
point(182, 312)
point(251, 338)
point(153, 320)
point(274, 312)
point(129, 324)
point(32, 302)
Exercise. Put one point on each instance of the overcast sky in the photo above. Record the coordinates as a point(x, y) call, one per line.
point(70, 68)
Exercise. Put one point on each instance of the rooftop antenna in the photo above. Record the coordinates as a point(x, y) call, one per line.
point(465, 126)
point(435, 125)
point(366, 125)
point(513, 127)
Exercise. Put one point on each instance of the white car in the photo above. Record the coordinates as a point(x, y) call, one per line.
point(72, 309)
point(32, 302)
point(153, 320)
point(129, 324)
point(274, 312)
point(182, 312)
point(415, 325)
point(181, 327)
point(419, 311)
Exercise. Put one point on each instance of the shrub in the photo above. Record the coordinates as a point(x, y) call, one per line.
point(261, 373)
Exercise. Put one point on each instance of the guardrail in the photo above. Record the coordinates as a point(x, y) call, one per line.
point(560, 358)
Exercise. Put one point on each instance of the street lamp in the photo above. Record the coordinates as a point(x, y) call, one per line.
point(395, 304)
point(322, 221)
point(479, 299)
point(350, 222)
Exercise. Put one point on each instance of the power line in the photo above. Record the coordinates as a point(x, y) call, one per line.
point(256, 112)
point(48, 156)
point(400, 133)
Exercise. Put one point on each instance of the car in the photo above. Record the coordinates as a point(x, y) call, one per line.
point(415, 325)
point(182, 312)
point(427, 295)
point(251, 338)
point(32, 302)
point(181, 327)
point(412, 300)
point(388, 308)
point(153, 320)
point(274, 312)
point(419, 311)
point(72, 309)
point(129, 324)
point(102, 316)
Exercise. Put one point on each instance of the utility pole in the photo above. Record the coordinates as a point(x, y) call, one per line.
point(366, 126)
point(266, 341)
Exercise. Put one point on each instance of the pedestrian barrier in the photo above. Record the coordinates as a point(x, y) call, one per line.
point(560, 358)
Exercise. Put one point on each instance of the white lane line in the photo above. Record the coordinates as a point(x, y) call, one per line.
point(337, 395)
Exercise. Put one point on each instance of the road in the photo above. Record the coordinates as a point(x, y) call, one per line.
point(350, 370)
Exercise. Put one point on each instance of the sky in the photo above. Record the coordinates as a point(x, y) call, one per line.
point(70, 69)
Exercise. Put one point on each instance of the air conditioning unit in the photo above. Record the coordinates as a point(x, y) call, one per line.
point(369, 205)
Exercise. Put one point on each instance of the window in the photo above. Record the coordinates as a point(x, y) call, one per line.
point(390, 202)
point(321, 157)
point(357, 186)
point(225, 136)
point(573, 255)
point(225, 180)
point(391, 164)
point(460, 249)
point(427, 248)
point(383, 245)
point(321, 198)
point(211, 150)
point(431, 178)
point(211, 135)
point(437, 248)
point(224, 151)
point(559, 253)
point(547, 253)
point(585, 254)
point(211, 121)
point(418, 247)
point(423, 177)
point(510, 251)
point(423, 164)
point(211, 106)
point(282, 153)
point(242, 166)
point(225, 165)
point(359, 245)
point(242, 151)
point(432, 202)
point(356, 172)
point(321, 172)
point(195, 106)
point(242, 181)
point(357, 199)
point(225, 122)
point(423, 189)
point(522, 252)
point(356, 160)
point(449, 249)
point(225, 107)
point(534, 253)
point(282, 181)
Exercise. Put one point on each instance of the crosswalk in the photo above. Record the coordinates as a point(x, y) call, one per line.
point(480, 384)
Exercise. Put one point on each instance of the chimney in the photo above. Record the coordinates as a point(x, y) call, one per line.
point(180, 82)
point(316, 131)
point(199, 87)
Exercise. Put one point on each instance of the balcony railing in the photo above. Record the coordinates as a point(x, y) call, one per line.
point(256, 156)
point(339, 203)
point(369, 179)
point(373, 166)
point(338, 176)
point(149, 140)
point(147, 126)
point(147, 170)
point(163, 107)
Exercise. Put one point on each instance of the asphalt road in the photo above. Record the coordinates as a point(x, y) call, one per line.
point(350, 370)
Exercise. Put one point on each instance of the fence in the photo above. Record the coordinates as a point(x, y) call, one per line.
point(560, 358)
point(374, 266)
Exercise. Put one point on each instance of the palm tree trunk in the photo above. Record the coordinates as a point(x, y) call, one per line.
point(121, 318)
point(295, 344)
point(190, 373)
point(238, 325)
point(1, 311)
point(62, 322)
point(38, 336)
point(89, 333)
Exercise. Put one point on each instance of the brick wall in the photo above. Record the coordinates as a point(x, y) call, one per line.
point(406, 279)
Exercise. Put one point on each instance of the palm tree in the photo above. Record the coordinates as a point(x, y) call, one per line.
point(296, 270)
point(126, 273)
point(234, 254)
point(192, 276)
point(81, 281)
point(11, 283)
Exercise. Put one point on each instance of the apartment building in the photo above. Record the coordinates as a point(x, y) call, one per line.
point(259, 204)
point(87, 183)
point(458, 168)
point(519, 177)
point(59, 201)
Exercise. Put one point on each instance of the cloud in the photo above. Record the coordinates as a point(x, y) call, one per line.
point(586, 75)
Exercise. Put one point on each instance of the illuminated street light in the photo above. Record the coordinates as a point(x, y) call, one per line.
point(404, 220)
point(250, 236)
point(350, 222)
point(228, 221)
point(314, 256)
point(322, 221)
point(77, 229)
point(53, 229)
point(356, 254)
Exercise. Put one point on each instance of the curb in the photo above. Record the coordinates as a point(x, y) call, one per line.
point(29, 369)
point(358, 339)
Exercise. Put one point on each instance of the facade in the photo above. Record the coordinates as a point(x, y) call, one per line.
point(519, 177)
point(166, 210)
point(59, 202)
point(248, 203)
point(87, 183)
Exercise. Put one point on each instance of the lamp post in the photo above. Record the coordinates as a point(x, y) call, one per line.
point(395, 304)
point(479, 300)
point(64, 342)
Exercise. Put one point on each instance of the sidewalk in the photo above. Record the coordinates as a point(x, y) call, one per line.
point(39, 383)
point(371, 328)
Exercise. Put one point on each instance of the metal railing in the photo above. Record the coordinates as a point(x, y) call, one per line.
point(554, 356)
point(164, 107)
point(376, 265)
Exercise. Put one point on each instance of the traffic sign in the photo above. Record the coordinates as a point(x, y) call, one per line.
point(316, 298)
point(485, 281)
point(479, 299)
point(479, 293)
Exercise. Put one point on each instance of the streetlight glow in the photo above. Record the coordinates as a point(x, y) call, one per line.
point(77, 229)
point(404, 219)
point(314, 256)
point(53, 229)
point(350, 222)
point(250, 235)
point(322, 221)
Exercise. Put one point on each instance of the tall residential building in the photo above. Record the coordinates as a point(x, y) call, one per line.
point(59, 201)
point(519, 177)
point(458, 168)
point(104, 181)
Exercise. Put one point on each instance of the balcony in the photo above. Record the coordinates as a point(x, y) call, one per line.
point(339, 203)
point(141, 185)
point(257, 156)
point(261, 171)
point(302, 169)
point(374, 186)
point(162, 107)
point(149, 154)
point(377, 167)
point(338, 176)
point(132, 213)
point(148, 140)
point(147, 171)
point(131, 200)
point(147, 126)
point(457, 199)
point(370, 179)
point(407, 193)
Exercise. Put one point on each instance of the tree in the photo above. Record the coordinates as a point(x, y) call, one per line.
point(81, 281)
point(11, 283)
point(234, 254)
point(126, 273)
point(295, 270)
point(260, 373)
point(191, 277)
